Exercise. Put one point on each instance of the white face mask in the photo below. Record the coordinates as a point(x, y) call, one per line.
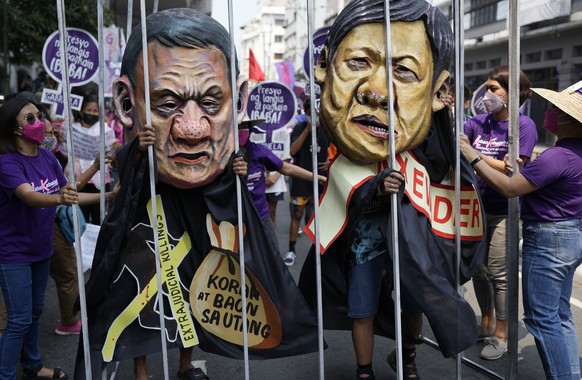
point(493, 103)
point(50, 143)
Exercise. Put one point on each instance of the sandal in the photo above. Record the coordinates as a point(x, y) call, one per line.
point(410, 371)
point(365, 374)
point(193, 374)
point(32, 374)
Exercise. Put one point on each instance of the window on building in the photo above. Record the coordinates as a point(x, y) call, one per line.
point(577, 51)
point(468, 66)
point(278, 38)
point(278, 56)
point(485, 12)
point(494, 62)
point(533, 57)
point(553, 54)
point(279, 21)
point(481, 65)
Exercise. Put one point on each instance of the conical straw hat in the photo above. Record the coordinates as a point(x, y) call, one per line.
point(569, 100)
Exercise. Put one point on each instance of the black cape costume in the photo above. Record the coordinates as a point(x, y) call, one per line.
point(124, 269)
point(427, 261)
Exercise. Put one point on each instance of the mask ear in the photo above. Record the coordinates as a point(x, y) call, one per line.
point(124, 104)
point(320, 69)
point(243, 94)
point(437, 104)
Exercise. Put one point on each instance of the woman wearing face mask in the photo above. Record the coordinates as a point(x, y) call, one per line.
point(32, 184)
point(260, 158)
point(551, 211)
point(489, 134)
point(88, 124)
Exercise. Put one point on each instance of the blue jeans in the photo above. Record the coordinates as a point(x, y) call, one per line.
point(551, 253)
point(23, 286)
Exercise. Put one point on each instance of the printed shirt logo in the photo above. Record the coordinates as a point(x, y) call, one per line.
point(46, 187)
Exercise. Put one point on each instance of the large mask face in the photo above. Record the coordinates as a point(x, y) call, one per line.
point(191, 113)
point(354, 99)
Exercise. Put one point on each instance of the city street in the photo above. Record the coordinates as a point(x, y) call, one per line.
point(339, 360)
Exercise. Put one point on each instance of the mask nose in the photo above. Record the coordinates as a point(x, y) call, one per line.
point(373, 92)
point(192, 126)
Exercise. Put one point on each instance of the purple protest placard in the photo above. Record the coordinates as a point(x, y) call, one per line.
point(82, 56)
point(477, 105)
point(319, 38)
point(272, 101)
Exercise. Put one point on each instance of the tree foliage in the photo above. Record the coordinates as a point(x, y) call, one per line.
point(30, 22)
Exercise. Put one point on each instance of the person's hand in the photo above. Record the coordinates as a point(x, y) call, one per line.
point(509, 166)
point(270, 180)
point(68, 195)
point(322, 166)
point(113, 193)
point(391, 183)
point(447, 100)
point(239, 166)
point(467, 149)
point(97, 161)
point(146, 137)
point(321, 179)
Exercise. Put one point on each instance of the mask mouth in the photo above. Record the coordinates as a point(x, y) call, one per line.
point(189, 158)
point(372, 125)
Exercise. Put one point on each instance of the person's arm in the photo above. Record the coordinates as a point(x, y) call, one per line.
point(298, 142)
point(272, 178)
point(507, 186)
point(93, 198)
point(67, 196)
point(300, 173)
point(86, 176)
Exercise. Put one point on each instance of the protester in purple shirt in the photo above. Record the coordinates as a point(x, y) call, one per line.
point(551, 187)
point(260, 158)
point(32, 184)
point(489, 135)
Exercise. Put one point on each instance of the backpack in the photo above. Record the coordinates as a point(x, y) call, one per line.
point(64, 218)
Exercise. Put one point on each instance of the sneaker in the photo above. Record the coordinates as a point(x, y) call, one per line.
point(62, 329)
point(289, 258)
point(494, 349)
point(410, 372)
point(483, 334)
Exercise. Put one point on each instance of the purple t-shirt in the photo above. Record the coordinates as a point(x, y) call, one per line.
point(26, 233)
point(490, 137)
point(260, 158)
point(557, 173)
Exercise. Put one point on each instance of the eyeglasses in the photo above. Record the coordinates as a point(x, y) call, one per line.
point(30, 118)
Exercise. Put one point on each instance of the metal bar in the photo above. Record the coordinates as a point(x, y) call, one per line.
point(151, 157)
point(458, 11)
point(71, 157)
point(155, 8)
point(513, 205)
point(394, 197)
point(314, 169)
point(129, 18)
point(240, 226)
point(101, 110)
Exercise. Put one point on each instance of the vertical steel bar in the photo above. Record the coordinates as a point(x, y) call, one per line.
point(314, 169)
point(129, 18)
point(512, 256)
point(458, 13)
point(152, 168)
point(101, 110)
point(394, 197)
point(65, 86)
point(240, 226)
